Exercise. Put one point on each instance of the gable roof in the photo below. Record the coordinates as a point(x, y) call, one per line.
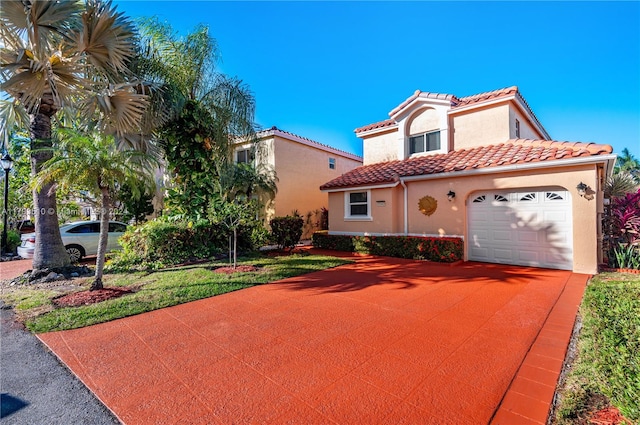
point(514, 151)
point(456, 103)
point(275, 131)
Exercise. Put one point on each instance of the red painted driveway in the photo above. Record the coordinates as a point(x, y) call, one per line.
point(380, 341)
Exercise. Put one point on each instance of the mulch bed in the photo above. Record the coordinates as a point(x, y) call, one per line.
point(608, 416)
point(76, 299)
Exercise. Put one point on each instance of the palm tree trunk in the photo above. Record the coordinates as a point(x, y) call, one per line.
point(104, 238)
point(49, 250)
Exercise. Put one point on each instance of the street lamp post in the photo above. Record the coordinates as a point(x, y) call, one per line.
point(7, 164)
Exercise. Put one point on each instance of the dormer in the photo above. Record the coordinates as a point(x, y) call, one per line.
point(431, 123)
point(418, 126)
point(422, 124)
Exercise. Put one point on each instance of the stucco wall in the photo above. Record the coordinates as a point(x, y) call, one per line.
point(381, 147)
point(480, 127)
point(301, 170)
point(527, 131)
point(450, 218)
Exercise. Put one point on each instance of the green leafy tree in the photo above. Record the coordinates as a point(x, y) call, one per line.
point(206, 108)
point(94, 163)
point(134, 207)
point(65, 56)
point(627, 163)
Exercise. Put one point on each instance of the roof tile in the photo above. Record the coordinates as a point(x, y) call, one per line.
point(515, 151)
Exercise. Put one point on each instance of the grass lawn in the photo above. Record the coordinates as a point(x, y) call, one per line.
point(154, 290)
point(608, 351)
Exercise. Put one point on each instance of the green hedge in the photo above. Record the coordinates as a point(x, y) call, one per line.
point(160, 243)
point(441, 249)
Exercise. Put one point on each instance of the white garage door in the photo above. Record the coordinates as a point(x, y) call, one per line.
point(528, 228)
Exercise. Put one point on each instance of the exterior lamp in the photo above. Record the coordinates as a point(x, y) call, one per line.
point(450, 195)
point(7, 164)
point(582, 189)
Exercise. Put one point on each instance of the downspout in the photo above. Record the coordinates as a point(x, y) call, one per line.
point(406, 207)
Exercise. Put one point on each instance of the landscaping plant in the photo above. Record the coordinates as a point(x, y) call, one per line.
point(286, 231)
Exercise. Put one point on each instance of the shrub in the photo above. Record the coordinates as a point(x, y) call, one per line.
point(13, 240)
point(159, 243)
point(286, 231)
point(443, 249)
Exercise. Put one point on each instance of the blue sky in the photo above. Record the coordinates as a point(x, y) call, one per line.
point(321, 69)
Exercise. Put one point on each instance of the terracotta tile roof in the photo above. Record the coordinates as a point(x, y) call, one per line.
point(481, 97)
point(379, 124)
point(514, 151)
point(276, 131)
point(455, 104)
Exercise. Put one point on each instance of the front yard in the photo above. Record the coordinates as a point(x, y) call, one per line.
point(607, 365)
point(35, 305)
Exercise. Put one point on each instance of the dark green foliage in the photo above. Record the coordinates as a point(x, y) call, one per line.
point(446, 250)
point(287, 230)
point(159, 243)
point(13, 240)
point(335, 242)
point(135, 208)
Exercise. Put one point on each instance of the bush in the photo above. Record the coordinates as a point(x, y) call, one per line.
point(13, 240)
point(446, 250)
point(286, 231)
point(158, 243)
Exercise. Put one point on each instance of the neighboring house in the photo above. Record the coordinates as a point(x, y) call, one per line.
point(482, 168)
point(301, 166)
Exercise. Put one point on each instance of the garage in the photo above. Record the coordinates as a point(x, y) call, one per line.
point(527, 228)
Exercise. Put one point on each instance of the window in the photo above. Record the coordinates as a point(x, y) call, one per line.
point(357, 205)
point(244, 156)
point(117, 227)
point(86, 228)
point(517, 129)
point(426, 142)
point(332, 163)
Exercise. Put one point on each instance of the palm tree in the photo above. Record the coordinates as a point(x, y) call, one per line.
point(69, 56)
point(627, 163)
point(206, 109)
point(95, 163)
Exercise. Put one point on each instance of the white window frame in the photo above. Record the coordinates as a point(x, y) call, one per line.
point(517, 128)
point(347, 206)
point(332, 163)
point(424, 138)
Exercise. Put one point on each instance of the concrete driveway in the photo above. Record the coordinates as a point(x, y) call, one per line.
point(380, 341)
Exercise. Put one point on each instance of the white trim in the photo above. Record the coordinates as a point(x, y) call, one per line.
point(406, 206)
point(515, 167)
point(361, 188)
point(347, 207)
point(398, 114)
point(414, 235)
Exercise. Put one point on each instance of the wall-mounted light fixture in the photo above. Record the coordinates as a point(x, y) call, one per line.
point(582, 189)
point(451, 195)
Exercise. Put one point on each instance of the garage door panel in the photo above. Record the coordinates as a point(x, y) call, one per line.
point(502, 236)
point(503, 255)
point(524, 228)
point(528, 236)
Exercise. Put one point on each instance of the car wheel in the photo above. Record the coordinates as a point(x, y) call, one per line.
point(76, 252)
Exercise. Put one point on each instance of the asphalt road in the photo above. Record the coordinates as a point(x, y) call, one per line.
point(36, 388)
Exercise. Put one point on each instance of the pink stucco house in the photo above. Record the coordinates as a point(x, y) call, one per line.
point(484, 169)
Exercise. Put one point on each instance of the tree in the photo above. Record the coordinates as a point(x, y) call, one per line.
point(94, 163)
point(66, 56)
point(207, 110)
point(627, 163)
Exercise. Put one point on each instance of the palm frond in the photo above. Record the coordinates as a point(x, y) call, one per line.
point(620, 184)
point(13, 117)
point(107, 36)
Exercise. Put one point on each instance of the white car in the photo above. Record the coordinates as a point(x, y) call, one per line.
point(79, 238)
